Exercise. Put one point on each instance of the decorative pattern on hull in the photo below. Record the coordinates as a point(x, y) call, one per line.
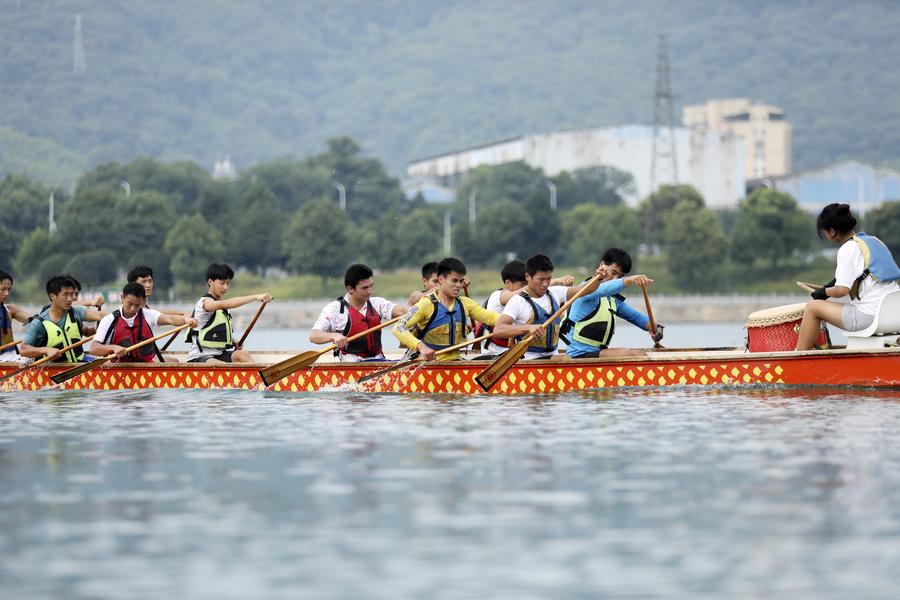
point(874, 369)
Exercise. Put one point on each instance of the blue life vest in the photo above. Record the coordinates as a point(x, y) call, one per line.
point(539, 315)
point(6, 332)
point(446, 327)
point(879, 263)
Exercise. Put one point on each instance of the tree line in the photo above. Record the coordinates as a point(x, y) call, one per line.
point(285, 215)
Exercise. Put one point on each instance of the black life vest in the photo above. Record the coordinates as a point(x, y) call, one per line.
point(368, 346)
point(121, 334)
point(6, 332)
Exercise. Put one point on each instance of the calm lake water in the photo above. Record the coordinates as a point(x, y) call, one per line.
point(669, 493)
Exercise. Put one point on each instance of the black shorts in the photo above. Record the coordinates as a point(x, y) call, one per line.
point(224, 356)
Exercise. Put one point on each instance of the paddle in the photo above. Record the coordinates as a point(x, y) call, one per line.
point(10, 345)
point(807, 287)
point(76, 371)
point(497, 369)
point(240, 343)
point(46, 358)
point(281, 370)
point(418, 358)
point(650, 316)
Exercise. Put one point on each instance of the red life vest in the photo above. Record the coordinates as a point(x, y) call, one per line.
point(120, 334)
point(367, 346)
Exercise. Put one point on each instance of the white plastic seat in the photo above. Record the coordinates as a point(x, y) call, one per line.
point(884, 329)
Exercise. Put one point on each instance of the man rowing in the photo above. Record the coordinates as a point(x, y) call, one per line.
point(8, 312)
point(131, 323)
point(429, 283)
point(355, 312)
point(591, 321)
point(528, 312)
point(212, 338)
point(438, 320)
point(59, 325)
point(513, 277)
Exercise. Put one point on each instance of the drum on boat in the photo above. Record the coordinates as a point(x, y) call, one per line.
point(777, 329)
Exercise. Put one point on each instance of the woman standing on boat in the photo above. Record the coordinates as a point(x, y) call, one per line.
point(865, 273)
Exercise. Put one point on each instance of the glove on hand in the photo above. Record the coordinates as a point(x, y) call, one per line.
point(819, 294)
point(658, 335)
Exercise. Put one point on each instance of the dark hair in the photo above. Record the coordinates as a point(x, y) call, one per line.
point(4, 276)
point(513, 271)
point(56, 284)
point(132, 288)
point(538, 262)
point(219, 272)
point(429, 269)
point(75, 283)
point(139, 271)
point(450, 265)
point(835, 216)
point(356, 273)
point(617, 256)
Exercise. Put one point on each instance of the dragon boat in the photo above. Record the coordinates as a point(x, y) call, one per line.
point(871, 358)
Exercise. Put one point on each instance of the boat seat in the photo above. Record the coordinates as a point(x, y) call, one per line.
point(884, 330)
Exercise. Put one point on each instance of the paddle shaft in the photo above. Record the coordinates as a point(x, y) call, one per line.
point(650, 316)
point(75, 371)
point(240, 343)
point(10, 345)
point(284, 368)
point(406, 363)
point(41, 361)
point(497, 369)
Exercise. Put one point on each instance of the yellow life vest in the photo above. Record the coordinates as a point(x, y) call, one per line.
point(598, 327)
point(216, 334)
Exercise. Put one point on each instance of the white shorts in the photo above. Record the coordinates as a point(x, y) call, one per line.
point(853, 319)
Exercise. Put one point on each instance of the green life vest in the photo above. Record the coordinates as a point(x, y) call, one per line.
point(215, 334)
point(598, 327)
point(68, 335)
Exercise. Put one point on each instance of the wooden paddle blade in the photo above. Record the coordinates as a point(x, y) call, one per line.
point(281, 370)
point(76, 371)
point(497, 369)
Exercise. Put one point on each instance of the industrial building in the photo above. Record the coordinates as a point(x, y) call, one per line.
point(766, 133)
point(860, 185)
point(709, 160)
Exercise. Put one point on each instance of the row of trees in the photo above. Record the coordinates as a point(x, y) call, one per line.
point(284, 214)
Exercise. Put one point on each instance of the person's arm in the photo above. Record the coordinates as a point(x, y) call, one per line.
point(564, 280)
point(574, 289)
point(210, 305)
point(93, 316)
point(177, 318)
point(478, 312)
point(506, 296)
point(318, 336)
point(632, 315)
point(398, 310)
point(96, 302)
point(324, 330)
point(402, 329)
point(32, 345)
point(17, 313)
point(505, 327)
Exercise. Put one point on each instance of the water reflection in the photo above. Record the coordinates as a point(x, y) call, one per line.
point(635, 493)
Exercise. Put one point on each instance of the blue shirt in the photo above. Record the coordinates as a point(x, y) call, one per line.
point(585, 305)
point(36, 335)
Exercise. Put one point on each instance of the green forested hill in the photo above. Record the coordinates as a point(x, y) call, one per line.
point(203, 79)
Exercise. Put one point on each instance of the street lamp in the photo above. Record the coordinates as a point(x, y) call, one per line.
point(472, 195)
point(127, 187)
point(552, 187)
point(448, 245)
point(342, 194)
point(51, 223)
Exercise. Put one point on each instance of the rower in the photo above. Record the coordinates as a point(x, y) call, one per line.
point(513, 277)
point(528, 312)
point(438, 320)
point(59, 325)
point(355, 312)
point(8, 312)
point(131, 323)
point(212, 338)
point(143, 275)
point(429, 283)
point(591, 322)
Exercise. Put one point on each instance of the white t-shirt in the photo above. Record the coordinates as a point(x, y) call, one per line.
point(520, 310)
point(850, 265)
point(150, 315)
point(332, 320)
